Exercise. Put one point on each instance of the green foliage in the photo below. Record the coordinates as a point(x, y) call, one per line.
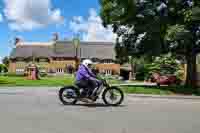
point(166, 26)
point(135, 21)
point(42, 74)
point(3, 68)
point(165, 90)
point(5, 61)
point(164, 64)
point(173, 30)
point(13, 75)
point(44, 81)
point(142, 72)
point(146, 90)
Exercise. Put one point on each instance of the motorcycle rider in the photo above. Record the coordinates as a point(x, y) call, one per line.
point(86, 78)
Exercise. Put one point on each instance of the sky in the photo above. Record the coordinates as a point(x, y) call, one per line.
point(37, 20)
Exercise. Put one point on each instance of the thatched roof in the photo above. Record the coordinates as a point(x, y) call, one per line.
point(101, 50)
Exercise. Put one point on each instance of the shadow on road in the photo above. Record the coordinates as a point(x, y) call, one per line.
point(95, 105)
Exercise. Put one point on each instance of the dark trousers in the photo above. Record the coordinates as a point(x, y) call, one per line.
point(87, 85)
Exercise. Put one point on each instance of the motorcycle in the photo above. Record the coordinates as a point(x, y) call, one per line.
point(111, 95)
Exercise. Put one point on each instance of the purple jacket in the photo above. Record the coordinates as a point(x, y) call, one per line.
point(84, 73)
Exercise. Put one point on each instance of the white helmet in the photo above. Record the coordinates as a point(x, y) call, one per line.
point(87, 62)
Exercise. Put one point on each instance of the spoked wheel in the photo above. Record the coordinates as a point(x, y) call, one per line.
point(113, 96)
point(68, 95)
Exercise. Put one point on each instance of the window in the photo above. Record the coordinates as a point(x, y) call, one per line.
point(107, 61)
point(108, 72)
point(95, 60)
point(43, 60)
point(19, 71)
point(20, 59)
point(56, 59)
point(59, 70)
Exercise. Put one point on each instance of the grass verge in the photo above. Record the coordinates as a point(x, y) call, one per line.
point(68, 80)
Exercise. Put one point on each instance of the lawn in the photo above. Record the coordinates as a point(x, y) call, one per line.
point(165, 90)
point(46, 81)
point(68, 80)
point(144, 90)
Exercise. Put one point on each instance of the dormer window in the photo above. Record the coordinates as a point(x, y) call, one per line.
point(107, 61)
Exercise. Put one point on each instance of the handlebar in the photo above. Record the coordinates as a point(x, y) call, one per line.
point(105, 83)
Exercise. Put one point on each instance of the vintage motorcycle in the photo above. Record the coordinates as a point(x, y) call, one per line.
point(111, 95)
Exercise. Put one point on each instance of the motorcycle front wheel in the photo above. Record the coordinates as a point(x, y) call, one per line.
point(113, 96)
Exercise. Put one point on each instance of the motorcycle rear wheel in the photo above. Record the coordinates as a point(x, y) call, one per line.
point(66, 98)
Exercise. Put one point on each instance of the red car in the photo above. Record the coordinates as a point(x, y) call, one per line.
point(165, 79)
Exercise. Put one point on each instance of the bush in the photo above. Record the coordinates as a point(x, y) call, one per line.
point(13, 75)
point(180, 89)
point(143, 72)
point(43, 74)
point(70, 69)
point(3, 68)
point(165, 65)
point(197, 92)
point(140, 72)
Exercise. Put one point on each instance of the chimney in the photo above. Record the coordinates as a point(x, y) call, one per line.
point(55, 37)
point(17, 41)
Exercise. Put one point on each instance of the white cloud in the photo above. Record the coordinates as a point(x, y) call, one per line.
point(1, 18)
point(30, 14)
point(92, 28)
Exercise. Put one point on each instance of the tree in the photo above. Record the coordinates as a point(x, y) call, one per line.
point(183, 37)
point(5, 61)
point(137, 23)
point(156, 21)
point(130, 20)
point(3, 68)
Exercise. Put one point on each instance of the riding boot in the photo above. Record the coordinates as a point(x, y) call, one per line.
point(83, 94)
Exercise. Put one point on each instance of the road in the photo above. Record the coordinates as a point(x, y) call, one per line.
point(31, 110)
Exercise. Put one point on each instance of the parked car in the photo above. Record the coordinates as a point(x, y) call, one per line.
point(165, 79)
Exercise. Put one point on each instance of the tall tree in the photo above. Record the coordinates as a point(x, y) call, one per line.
point(5, 61)
point(156, 21)
point(183, 36)
point(130, 20)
